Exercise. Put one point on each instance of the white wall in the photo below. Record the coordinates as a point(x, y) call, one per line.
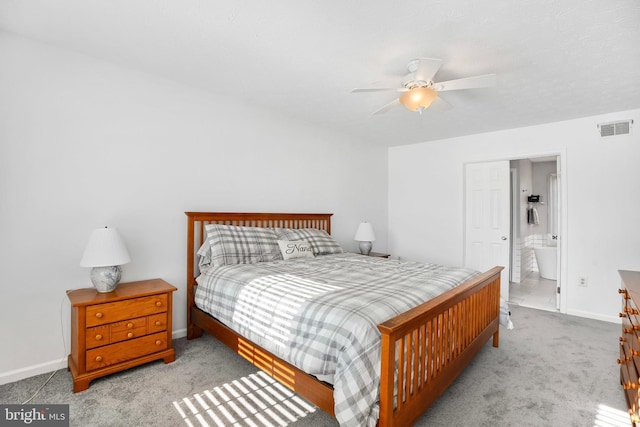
point(84, 143)
point(602, 180)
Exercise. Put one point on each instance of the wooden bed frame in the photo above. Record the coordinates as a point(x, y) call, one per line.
point(432, 342)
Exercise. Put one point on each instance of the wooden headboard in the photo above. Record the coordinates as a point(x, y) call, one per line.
point(198, 220)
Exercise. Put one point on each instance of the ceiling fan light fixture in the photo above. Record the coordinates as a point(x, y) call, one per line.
point(418, 98)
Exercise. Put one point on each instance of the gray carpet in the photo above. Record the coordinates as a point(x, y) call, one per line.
point(550, 370)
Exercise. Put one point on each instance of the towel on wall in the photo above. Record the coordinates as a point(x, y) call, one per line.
point(532, 216)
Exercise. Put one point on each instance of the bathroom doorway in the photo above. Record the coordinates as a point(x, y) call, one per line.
point(535, 233)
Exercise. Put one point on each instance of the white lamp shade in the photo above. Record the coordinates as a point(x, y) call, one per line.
point(104, 249)
point(365, 233)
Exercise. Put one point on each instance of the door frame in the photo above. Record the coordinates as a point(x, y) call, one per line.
point(514, 184)
point(563, 230)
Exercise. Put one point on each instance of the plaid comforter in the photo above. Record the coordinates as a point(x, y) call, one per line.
point(321, 314)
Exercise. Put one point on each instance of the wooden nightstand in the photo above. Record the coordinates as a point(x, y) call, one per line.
point(118, 330)
point(379, 255)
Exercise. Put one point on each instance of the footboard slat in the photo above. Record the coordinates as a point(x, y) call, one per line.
point(432, 344)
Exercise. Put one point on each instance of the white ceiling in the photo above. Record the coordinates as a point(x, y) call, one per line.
point(555, 59)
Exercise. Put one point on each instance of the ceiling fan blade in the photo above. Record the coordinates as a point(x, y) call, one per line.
point(486, 80)
point(440, 104)
point(379, 89)
point(427, 68)
point(387, 107)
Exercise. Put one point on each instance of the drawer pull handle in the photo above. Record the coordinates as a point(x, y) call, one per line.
point(158, 342)
point(158, 323)
point(129, 325)
point(624, 360)
point(623, 339)
point(629, 385)
point(98, 358)
point(634, 352)
point(130, 335)
point(622, 291)
point(98, 337)
point(158, 303)
point(630, 310)
point(622, 314)
point(99, 315)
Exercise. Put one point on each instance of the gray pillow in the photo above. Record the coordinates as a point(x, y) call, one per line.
point(232, 244)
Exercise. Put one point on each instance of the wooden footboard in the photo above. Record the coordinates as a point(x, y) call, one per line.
point(431, 343)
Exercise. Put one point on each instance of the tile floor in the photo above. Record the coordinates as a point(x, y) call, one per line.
point(534, 292)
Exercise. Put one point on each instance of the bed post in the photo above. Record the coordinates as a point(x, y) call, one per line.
point(193, 331)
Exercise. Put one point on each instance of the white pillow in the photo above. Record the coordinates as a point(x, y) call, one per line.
point(295, 249)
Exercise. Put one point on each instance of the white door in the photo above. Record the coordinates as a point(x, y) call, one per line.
point(487, 218)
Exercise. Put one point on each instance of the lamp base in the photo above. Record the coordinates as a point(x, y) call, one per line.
point(105, 279)
point(365, 248)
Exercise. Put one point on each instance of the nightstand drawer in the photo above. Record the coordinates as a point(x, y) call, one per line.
point(127, 325)
point(101, 314)
point(126, 350)
point(98, 336)
point(128, 329)
point(157, 323)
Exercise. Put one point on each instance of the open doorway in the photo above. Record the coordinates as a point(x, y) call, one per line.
point(535, 233)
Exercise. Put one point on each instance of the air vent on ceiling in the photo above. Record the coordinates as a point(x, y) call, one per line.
point(615, 128)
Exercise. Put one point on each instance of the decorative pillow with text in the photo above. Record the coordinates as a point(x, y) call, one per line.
point(295, 249)
point(321, 242)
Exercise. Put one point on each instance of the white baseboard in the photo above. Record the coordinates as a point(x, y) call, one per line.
point(179, 333)
point(32, 371)
point(54, 365)
point(589, 315)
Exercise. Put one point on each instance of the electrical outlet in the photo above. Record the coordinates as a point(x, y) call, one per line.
point(582, 281)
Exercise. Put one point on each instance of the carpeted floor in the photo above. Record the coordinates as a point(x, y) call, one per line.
point(550, 370)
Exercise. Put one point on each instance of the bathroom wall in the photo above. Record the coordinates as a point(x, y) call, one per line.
point(541, 172)
point(539, 233)
point(532, 179)
point(523, 250)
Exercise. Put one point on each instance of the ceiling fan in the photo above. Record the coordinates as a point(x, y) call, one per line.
point(420, 92)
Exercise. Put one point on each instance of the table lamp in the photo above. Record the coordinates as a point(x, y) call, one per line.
point(105, 253)
point(365, 236)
